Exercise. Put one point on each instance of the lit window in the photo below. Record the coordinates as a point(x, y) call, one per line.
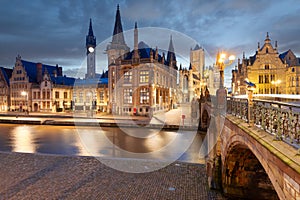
point(144, 76)
point(127, 95)
point(128, 77)
point(144, 95)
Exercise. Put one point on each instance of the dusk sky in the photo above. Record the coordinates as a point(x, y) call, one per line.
point(53, 32)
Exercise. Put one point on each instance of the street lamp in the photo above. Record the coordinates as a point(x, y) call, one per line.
point(222, 62)
point(276, 83)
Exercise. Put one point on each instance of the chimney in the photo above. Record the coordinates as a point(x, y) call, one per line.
point(59, 73)
point(39, 72)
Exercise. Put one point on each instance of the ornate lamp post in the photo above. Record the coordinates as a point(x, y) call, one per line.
point(222, 62)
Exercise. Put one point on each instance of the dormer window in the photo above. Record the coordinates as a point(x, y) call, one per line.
point(267, 66)
point(267, 50)
point(293, 69)
point(46, 83)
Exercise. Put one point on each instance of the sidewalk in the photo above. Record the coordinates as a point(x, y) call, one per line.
point(172, 118)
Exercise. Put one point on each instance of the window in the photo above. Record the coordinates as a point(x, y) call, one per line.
point(267, 66)
point(127, 95)
point(57, 95)
point(267, 79)
point(46, 83)
point(48, 94)
point(44, 94)
point(65, 95)
point(272, 77)
point(101, 95)
point(144, 76)
point(80, 97)
point(144, 95)
point(128, 77)
point(260, 79)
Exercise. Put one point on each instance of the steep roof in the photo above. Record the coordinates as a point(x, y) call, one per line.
point(31, 69)
point(6, 73)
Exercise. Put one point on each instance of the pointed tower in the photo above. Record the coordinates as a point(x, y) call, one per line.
point(136, 56)
point(90, 52)
point(171, 58)
point(197, 58)
point(117, 48)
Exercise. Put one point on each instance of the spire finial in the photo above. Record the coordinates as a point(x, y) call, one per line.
point(267, 35)
point(135, 25)
point(91, 28)
point(118, 7)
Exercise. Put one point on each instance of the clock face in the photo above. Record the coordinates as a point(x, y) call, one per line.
point(91, 49)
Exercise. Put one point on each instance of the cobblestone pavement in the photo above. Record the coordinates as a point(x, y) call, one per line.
point(32, 176)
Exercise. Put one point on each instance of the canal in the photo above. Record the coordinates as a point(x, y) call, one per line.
point(103, 142)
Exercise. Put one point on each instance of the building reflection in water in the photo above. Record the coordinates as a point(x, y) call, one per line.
point(22, 139)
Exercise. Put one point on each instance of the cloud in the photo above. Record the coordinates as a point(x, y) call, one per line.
point(54, 31)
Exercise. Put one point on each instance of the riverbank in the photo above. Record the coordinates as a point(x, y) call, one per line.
point(170, 120)
point(32, 176)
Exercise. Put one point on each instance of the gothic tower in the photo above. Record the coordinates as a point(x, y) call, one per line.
point(117, 48)
point(197, 59)
point(171, 58)
point(90, 52)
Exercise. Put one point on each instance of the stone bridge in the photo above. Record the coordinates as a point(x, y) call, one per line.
point(255, 157)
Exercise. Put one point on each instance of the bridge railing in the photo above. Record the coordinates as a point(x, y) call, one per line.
point(277, 118)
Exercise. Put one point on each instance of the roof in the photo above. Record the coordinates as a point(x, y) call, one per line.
point(282, 55)
point(31, 69)
point(6, 73)
point(252, 59)
point(62, 80)
point(197, 47)
point(91, 81)
point(144, 51)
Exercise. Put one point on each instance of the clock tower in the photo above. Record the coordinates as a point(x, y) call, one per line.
point(90, 53)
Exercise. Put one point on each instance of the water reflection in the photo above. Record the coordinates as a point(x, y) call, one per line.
point(23, 140)
point(93, 141)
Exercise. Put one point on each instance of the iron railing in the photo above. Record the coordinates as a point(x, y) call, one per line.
point(277, 118)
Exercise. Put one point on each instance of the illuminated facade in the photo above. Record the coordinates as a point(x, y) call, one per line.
point(38, 87)
point(141, 81)
point(273, 73)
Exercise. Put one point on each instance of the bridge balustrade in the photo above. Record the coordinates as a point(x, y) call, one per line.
point(277, 118)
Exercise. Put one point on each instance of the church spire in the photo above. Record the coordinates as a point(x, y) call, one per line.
point(171, 58)
point(118, 36)
point(136, 55)
point(90, 38)
point(91, 29)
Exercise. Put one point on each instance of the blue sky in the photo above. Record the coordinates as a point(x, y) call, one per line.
point(54, 31)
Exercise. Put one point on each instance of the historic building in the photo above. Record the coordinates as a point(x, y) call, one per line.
point(5, 74)
point(191, 81)
point(141, 81)
point(91, 93)
point(39, 87)
point(273, 73)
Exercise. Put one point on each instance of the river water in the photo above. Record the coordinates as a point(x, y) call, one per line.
point(104, 142)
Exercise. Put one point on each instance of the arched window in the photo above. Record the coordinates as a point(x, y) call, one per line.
point(267, 50)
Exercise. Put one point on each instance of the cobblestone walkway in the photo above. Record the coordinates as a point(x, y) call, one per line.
point(30, 176)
